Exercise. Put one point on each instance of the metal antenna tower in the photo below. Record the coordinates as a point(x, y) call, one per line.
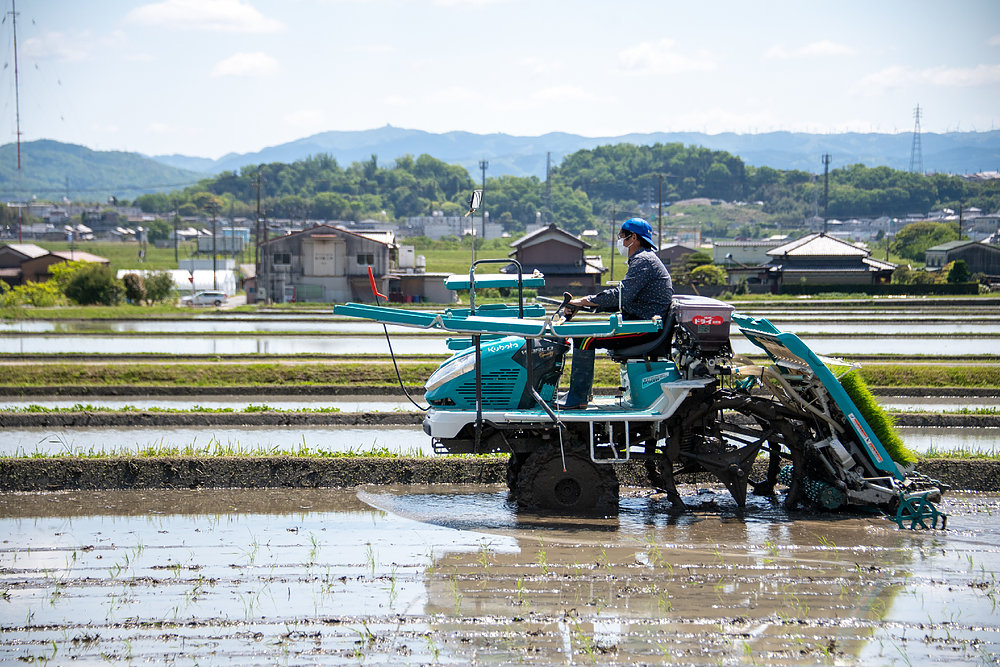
point(916, 154)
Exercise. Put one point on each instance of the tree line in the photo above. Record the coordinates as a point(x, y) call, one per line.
point(583, 189)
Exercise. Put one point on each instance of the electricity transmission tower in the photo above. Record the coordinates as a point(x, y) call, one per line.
point(916, 155)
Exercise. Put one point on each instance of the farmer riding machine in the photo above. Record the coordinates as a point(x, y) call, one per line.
point(685, 405)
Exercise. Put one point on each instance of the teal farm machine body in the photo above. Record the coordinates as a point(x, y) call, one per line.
point(684, 406)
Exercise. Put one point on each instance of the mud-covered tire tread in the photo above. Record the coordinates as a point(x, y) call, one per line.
point(514, 465)
point(542, 471)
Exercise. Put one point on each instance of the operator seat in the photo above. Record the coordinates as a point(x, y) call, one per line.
point(652, 350)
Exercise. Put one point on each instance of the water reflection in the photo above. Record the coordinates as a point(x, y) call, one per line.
point(454, 575)
point(435, 344)
point(409, 440)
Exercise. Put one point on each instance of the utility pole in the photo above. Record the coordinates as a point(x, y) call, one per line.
point(17, 115)
point(257, 181)
point(484, 165)
point(548, 188)
point(659, 210)
point(826, 187)
point(263, 260)
point(959, 221)
point(614, 237)
point(176, 203)
point(213, 208)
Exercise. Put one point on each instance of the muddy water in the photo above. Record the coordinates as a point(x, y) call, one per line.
point(894, 324)
point(954, 345)
point(409, 440)
point(454, 575)
point(388, 404)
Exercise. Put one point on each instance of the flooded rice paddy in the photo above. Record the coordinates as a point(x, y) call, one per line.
point(456, 575)
point(408, 440)
point(391, 404)
point(227, 344)
point(927, 324)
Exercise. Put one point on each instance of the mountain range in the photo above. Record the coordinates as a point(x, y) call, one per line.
point(952, 152)
point(51, 170)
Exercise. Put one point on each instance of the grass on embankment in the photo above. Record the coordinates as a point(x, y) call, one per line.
point(381, 373)
point(214, 374)
point(216, 448)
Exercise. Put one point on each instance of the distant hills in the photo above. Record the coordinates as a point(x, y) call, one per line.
point(953, 152)
point(51, 170)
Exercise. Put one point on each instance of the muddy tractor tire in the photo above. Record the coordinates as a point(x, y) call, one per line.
point(583, 487)
point(514, 465)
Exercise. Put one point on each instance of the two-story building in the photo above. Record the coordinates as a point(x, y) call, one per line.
point(323, 263)
point(562, 258)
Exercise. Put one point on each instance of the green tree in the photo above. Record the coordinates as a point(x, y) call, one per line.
point(39, 295)
point(95, 284)
point(157, 202)
point(959, 272)
point(709, 274)
point(159, 230)
point(135, 288)
point(914, 239)
point(159, 286)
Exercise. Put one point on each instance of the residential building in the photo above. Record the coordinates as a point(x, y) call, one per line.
point(562, 258)
point(674, 254)
point(816, 259)
point(323, 263)
point(22, 263)
point(979, 257)
point(748, 252)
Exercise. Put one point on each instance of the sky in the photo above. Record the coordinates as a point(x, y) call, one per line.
point(210, 77)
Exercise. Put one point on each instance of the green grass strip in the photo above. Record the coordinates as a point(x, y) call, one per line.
point(882, 423)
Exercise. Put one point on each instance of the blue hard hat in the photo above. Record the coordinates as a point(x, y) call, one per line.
point(641, 228)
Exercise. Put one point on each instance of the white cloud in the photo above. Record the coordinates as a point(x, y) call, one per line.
point(994, 40)
point(563, 94)
point(257, 64)
point(822, 49)
point(372, 49)
point(541, 65)
point(160, 128)
point(895, 77)
point(659, 58)
point(467, 3)
point(59, 46)
point(215, 15)
point(305, 118)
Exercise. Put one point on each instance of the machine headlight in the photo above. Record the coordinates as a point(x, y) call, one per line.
point(451, 370)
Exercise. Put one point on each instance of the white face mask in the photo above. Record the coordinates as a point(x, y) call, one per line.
point(622, 249)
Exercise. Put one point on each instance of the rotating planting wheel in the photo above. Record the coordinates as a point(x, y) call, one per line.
point(582, 486)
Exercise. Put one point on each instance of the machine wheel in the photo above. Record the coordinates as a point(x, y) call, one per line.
point(582, 487)
point(216, 303)
point(514, 465)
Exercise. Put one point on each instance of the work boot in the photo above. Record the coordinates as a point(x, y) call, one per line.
point(581, 381)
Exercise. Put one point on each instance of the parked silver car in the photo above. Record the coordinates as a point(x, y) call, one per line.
point(205, 298)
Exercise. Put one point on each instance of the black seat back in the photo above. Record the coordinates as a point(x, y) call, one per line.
point(654, 349)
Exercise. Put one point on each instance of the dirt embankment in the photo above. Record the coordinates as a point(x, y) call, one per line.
point(31, 475)
point(141, 418)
